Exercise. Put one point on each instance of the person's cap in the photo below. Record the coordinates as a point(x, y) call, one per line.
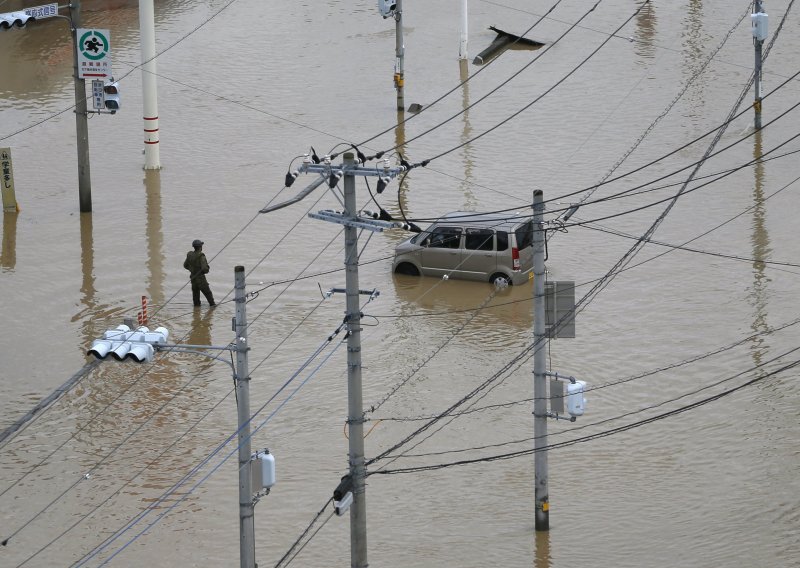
point(197, 243)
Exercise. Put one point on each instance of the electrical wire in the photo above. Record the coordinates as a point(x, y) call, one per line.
point(591, 437)
point(636, 377)
point(462, 83)
point(118, 534)
point(121, 531)
point(537, 99)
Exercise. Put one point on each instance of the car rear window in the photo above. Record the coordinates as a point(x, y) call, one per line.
point(479, 239)
point(524, 234)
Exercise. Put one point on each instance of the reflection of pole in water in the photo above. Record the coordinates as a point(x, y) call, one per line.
point(694, 41)
point(8, 256)
point(399, 142)
point(87, 260)
point(155, 238)
point(469, 198)
point(542, 558)
point(761, 251)
point(87, 283)
point(646, 31)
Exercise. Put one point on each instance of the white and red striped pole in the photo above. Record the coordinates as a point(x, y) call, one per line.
point(147, 31)
point(141, 317)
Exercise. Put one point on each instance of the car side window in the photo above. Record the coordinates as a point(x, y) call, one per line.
point(502, 240)
point(479, 239)
point(445, 237)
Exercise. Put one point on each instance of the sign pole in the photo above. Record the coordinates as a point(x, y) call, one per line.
point(81, 117)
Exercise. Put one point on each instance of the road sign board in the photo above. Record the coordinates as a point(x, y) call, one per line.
point(97, 94)
point(94, 54)
point(44, 11)
point(7, 181)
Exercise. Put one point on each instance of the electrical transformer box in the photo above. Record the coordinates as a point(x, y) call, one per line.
point(759, 21)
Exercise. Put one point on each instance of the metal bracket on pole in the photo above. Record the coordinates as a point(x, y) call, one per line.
point(325, 170)
point(557, 416)
point(558, 377)
point(374, 293)
point(357, 222)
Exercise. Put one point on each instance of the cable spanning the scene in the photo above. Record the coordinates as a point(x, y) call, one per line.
point(596, 436)
point(530, 104)
point(153, 506)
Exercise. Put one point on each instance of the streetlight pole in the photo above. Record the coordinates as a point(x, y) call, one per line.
point(147, 32)
point(81, 116)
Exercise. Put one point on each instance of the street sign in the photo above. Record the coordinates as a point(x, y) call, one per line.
point(44, 11)
point(94, 54)
point(7, 181)
point(559, 298)
point(97, 94)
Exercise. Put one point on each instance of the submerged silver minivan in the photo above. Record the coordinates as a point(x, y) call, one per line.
point(488, 247)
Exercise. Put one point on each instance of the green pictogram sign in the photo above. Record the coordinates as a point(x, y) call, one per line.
point(94, 54)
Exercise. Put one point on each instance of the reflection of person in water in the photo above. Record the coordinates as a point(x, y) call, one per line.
point(201, 328)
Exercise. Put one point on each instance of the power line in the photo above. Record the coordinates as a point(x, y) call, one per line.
point(118, 534)
point(591, 437)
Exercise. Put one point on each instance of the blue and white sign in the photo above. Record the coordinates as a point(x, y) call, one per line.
point(45, 11)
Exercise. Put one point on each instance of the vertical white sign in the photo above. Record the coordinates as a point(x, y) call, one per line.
point(97, 94)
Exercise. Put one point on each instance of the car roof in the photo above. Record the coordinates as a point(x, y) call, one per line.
point(489, 220)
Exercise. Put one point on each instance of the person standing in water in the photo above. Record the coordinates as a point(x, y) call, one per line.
point(197, 265)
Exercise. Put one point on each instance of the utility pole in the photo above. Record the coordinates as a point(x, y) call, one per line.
point(355, 410)
point(540, 412)
point(147, 34)
point(81, 116)
point(759, 21)
point(247, 552)
point(330, 175)
point(399, 79)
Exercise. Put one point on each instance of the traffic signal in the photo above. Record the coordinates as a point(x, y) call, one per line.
point(122, 343)
point(386, 7)
point(111, 96)
point(14, 19)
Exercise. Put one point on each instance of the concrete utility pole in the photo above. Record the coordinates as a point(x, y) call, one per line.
point(330, 174)
point(355, 410)
point(759, 43)
point(540, 413)
point(464, 32)
point(247, 550)
point(147, 32)
point(81, 116)
point(399, 77)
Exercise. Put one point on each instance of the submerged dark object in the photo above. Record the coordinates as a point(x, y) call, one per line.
point(503, 41)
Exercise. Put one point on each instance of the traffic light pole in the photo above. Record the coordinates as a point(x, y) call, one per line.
point(247, 552)
point(540, 414)
point(81, 116)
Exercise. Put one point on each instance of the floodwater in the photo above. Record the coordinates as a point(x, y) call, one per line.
point(244, 88)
